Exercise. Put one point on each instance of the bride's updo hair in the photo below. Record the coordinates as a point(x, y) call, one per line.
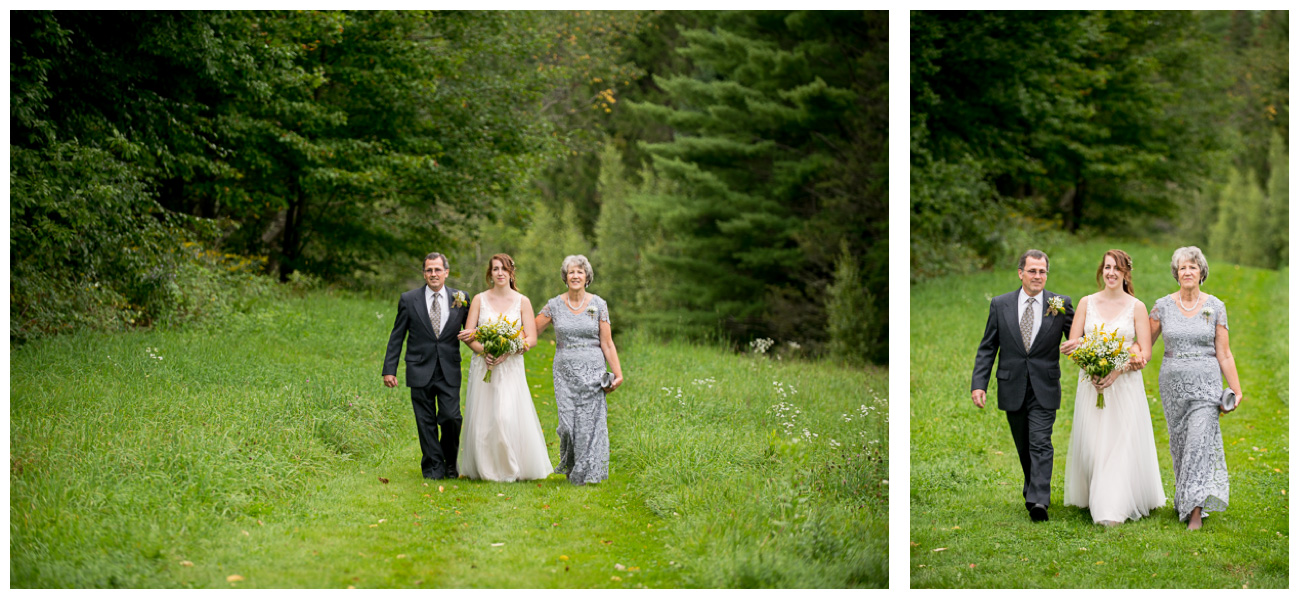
point(1124, 264)
point(506, 262)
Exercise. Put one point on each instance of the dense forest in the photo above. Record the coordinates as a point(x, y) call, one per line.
point(1030, 125)
point(725, 171)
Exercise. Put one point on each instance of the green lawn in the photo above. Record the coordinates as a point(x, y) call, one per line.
point(184, 458)
point(969, 527)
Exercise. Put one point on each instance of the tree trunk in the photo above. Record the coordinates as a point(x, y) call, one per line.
point(1077, 210)
point(291, 238)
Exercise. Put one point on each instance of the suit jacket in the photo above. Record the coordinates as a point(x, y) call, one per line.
point(423, 349)
point(1039, 365)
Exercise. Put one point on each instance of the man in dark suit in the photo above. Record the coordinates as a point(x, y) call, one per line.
point(1024, 332)
point(430, 318)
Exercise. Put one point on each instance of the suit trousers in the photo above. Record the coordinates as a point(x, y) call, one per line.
point(437, 407)
point(1031, 428)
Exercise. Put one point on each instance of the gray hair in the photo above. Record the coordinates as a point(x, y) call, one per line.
point(1031, 253)
point(1193, 254)
point(573, 260)
point(435, 256)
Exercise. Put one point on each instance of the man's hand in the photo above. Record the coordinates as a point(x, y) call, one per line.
point(977, 396)
point(1069, 346)
point(390, 380)
point(466, 335)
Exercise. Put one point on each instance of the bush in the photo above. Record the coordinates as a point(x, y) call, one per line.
point(88, 243)
point(91, 249)
point(961, 225)
point(855, 325)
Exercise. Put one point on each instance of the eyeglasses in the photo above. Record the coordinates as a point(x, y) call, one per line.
point(435, 271)
point(1036, 272)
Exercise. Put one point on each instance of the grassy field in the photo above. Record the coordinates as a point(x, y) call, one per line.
point(250, 455)
point(969, 527)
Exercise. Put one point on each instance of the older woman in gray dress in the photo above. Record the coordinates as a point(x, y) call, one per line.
point(1196, 361)
point(583, 344)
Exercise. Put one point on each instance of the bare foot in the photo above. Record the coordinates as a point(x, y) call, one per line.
point(1194, 522)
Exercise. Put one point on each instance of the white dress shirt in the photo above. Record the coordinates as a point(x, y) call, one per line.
point(1038, 312)
point(442, 304)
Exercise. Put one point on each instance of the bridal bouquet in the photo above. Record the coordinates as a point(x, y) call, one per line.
point(500, 337)
point(1101, 352)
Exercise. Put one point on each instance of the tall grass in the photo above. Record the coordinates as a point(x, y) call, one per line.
point(182, 457)
point(969, 527)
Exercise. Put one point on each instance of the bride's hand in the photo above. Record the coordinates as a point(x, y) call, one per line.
point(1104, 382)
point(466, 335)
point(1137, 362)
point(490, 360)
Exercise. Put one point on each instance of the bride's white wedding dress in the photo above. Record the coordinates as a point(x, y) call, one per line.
point(502, 438)
point(1111, 468)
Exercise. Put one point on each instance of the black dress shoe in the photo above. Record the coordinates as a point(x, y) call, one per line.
point(452, 475)
point(1038, 512)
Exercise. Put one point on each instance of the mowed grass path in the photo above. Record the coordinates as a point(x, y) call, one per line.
point(250, 455)
point(969, 527)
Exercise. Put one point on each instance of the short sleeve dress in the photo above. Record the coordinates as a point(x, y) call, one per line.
point(1191, 383)
point(579, 399)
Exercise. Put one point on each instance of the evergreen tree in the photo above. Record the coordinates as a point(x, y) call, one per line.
point(616, 258)
point(855, 332)
point(761, 125)
point(1235, 200)
point(1279, 200)
point(549, 239)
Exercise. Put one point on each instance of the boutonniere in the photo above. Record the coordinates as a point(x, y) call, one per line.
point(591, 311)
point(1208, 314)
point(1055, 306)
point(458, 301)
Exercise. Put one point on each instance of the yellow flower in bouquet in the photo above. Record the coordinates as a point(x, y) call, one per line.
point(1101, 352)
point(500, 337)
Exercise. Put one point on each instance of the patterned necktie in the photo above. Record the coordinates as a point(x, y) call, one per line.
point(1027, 323)
point(435, 314)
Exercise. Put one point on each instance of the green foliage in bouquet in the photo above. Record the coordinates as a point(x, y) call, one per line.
point(499, 337)
point(1102, 352)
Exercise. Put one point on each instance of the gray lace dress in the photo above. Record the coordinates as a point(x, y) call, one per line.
point(579, 399)
point(1190, 385)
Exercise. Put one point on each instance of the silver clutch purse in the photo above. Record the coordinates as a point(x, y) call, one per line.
point(607, 381)
point(1228, 401)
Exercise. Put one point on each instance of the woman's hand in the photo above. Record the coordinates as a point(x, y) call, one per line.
point(466, 335)
point(1069, 346)
point(618, 380)
point(1136, 361)
point(1103, 383)
point(1241, 399)
point(490, 360)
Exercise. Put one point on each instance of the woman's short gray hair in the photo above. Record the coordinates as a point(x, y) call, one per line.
point(1193, 254)
point(573, 260)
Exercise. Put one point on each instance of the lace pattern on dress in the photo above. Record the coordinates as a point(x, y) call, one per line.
point(579, 400)
point(1190, 386)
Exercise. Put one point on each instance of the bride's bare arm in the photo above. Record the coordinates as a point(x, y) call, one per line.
point(1140, 350)
point(530, 325)
point(1142, 327)
point(474, 345)
point(1076, 327)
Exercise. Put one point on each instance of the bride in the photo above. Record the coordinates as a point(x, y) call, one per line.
point(1111, 468)
point(502, 438)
